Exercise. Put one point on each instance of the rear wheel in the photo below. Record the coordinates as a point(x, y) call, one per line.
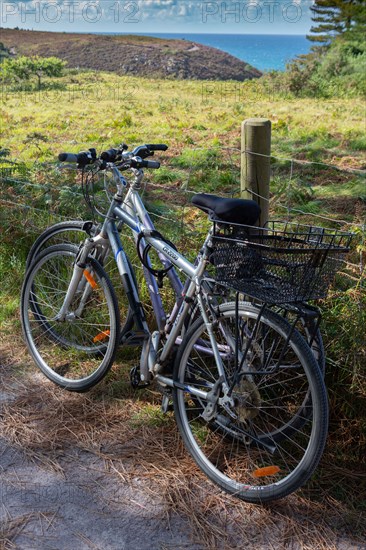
point(68, 232)
point(267, 440)
point(77, 351)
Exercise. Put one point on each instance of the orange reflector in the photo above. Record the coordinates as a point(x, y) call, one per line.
point(101, 336)
point(90, 279)
point(266, 471)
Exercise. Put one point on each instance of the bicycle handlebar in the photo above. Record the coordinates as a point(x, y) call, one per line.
point(141, 151)
point(134, 158)
point(81, 159)
point(137, 162)
point(147, 150)
point(148, 164)
point(110, 155)
point(114, 154)
point(68, 157)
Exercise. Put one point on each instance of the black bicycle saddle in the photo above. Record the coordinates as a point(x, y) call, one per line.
point(240, 211)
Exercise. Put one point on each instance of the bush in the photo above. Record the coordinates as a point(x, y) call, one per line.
point(23, 68)
point(299, 73)
point(339, 70)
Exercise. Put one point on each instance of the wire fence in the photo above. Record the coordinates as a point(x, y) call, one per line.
point(309, 191)
point(34, 197)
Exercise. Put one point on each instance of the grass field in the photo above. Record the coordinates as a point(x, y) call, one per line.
point(90, 109)
point(100, 109)
point(197, 120)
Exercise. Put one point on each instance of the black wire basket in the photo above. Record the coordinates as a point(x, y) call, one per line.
point(282, 262)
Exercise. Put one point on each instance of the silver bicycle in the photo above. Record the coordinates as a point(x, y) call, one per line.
point(75, 231)
point(248, 394)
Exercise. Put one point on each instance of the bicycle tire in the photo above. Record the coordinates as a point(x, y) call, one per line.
point(222, 444)
point(75, 353)
point(67, 232)
point(74, 232)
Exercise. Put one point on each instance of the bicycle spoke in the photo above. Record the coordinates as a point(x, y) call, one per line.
point(76, 350)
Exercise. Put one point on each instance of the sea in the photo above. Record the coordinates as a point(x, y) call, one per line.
point(266, 52)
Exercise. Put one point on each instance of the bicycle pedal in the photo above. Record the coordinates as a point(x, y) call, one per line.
point(166, 405)
point(135, 379)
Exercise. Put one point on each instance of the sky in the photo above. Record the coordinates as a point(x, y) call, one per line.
point(159, 16)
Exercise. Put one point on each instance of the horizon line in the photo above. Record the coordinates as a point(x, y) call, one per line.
point(153, 33)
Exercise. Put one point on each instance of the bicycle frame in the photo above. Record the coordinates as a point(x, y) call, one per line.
point(132, 212)
point(135, 208)
point(135, 215)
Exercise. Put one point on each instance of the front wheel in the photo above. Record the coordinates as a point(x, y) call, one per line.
point(75, 232)
point(75, 352)
point(262, 443)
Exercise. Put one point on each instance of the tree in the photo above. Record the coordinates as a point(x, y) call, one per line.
point(335, 17)
point(23, 68)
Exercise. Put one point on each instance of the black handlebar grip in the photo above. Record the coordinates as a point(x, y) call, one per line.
point(84, 158)
point(68, 157)
point(150, 164)
point(110, 155)
point(157, 147)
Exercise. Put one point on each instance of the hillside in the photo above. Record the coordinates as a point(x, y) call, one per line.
point(132, 55)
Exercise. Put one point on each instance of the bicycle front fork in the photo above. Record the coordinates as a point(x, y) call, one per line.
point(81, 281)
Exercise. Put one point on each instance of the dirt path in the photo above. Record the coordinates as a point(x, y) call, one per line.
point(104, 471)
point(82, 507)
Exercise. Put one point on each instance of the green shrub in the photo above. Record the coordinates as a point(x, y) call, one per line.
point(339, 70)
point(22, 69)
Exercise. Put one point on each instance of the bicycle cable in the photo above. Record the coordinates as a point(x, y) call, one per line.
point(158, 273)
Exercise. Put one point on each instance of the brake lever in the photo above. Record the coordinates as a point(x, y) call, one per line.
point(141, 151)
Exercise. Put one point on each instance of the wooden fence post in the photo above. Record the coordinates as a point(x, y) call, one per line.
point(255, 169)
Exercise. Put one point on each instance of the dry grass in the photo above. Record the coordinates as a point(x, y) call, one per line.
point(13, 527)
point(46, 423)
